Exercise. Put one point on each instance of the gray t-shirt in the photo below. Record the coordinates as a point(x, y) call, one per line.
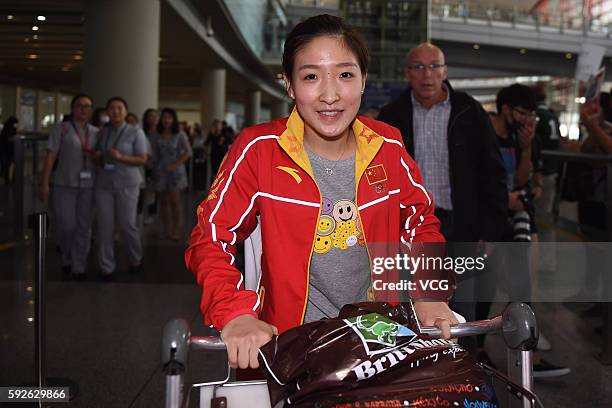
point(130, 141)
point(340, 267)
point(72, 160)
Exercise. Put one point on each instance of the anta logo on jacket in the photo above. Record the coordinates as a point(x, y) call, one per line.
point(266, 177)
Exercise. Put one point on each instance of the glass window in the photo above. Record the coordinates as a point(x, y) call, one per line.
point(27, 109)
point(46, 110)
point(8, 95)
point(63, 106)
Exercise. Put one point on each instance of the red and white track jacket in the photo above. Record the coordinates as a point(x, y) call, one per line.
point(267, 173)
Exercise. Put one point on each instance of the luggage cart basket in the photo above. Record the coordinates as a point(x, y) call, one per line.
point(517, 325)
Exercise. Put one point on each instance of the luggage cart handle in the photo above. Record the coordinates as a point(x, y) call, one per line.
point(208, 343)
point(466, 329)
point(517, 324)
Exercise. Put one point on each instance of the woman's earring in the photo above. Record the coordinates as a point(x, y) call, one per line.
point(362, 91)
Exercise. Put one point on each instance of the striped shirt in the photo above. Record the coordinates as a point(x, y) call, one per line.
point(431, 148)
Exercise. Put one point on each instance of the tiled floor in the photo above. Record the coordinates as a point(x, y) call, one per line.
point(106, 336)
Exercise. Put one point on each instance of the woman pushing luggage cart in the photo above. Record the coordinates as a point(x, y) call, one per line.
point(332, 194)
point(329, 190)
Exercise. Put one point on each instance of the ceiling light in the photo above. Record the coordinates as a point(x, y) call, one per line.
point(523, 51)
point(476, 46)
point(10, 17)
point(27, 39)
point(35, 37)
point(568, 55)
point(41, 18)
point(33, 56)
point(77, 57)
point(34, 28)
point(66, 69)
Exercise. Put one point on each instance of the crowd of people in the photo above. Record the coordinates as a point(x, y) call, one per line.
point(104, 171)
point(484, 171)
point(452, 172)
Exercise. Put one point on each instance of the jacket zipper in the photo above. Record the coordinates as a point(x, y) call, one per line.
point(314, 237)
point(450, 128)
point(365, 241)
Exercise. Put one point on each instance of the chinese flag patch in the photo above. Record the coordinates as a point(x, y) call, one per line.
point(376, 174)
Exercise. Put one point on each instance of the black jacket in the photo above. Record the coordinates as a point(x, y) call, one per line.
point(477, 173)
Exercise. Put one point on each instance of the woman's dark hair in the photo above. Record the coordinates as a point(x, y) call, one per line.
point(144, 118)
point(95, 117)
point(131, 114)
point(319, 26)
point(116, 98)
point(175, 128)
point(10, 127)
point(77, 97)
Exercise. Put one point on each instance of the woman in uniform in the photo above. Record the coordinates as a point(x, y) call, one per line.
point(121, 151)
point(72, 142)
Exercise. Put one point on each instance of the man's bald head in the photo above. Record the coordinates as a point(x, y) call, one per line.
point(427, 48)
point(426, 70)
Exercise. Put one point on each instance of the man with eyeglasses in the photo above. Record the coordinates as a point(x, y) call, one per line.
point(450, 136)
point(515, 125)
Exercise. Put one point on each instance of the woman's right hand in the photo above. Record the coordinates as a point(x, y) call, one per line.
point(43, 192)
point(243, 336)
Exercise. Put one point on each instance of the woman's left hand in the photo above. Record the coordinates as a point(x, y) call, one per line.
point(435, 314)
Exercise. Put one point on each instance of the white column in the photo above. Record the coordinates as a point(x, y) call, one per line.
point(213, 98)
point(280, 109)
point(252, 112)
point(121, 52)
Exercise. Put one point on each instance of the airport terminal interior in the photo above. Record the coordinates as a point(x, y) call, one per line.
point(207, 69)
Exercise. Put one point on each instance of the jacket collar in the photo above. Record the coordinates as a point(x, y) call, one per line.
point(407, 95)
point(292, 142)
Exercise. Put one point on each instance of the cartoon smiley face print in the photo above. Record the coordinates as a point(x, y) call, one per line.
point(322, 244)
point(344, 210)
point(327, 206)
point(326, 225)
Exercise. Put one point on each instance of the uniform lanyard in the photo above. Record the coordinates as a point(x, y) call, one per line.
point(83, 140)
point(116, 140)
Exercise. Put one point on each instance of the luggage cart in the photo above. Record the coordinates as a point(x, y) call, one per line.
point(517, 325)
